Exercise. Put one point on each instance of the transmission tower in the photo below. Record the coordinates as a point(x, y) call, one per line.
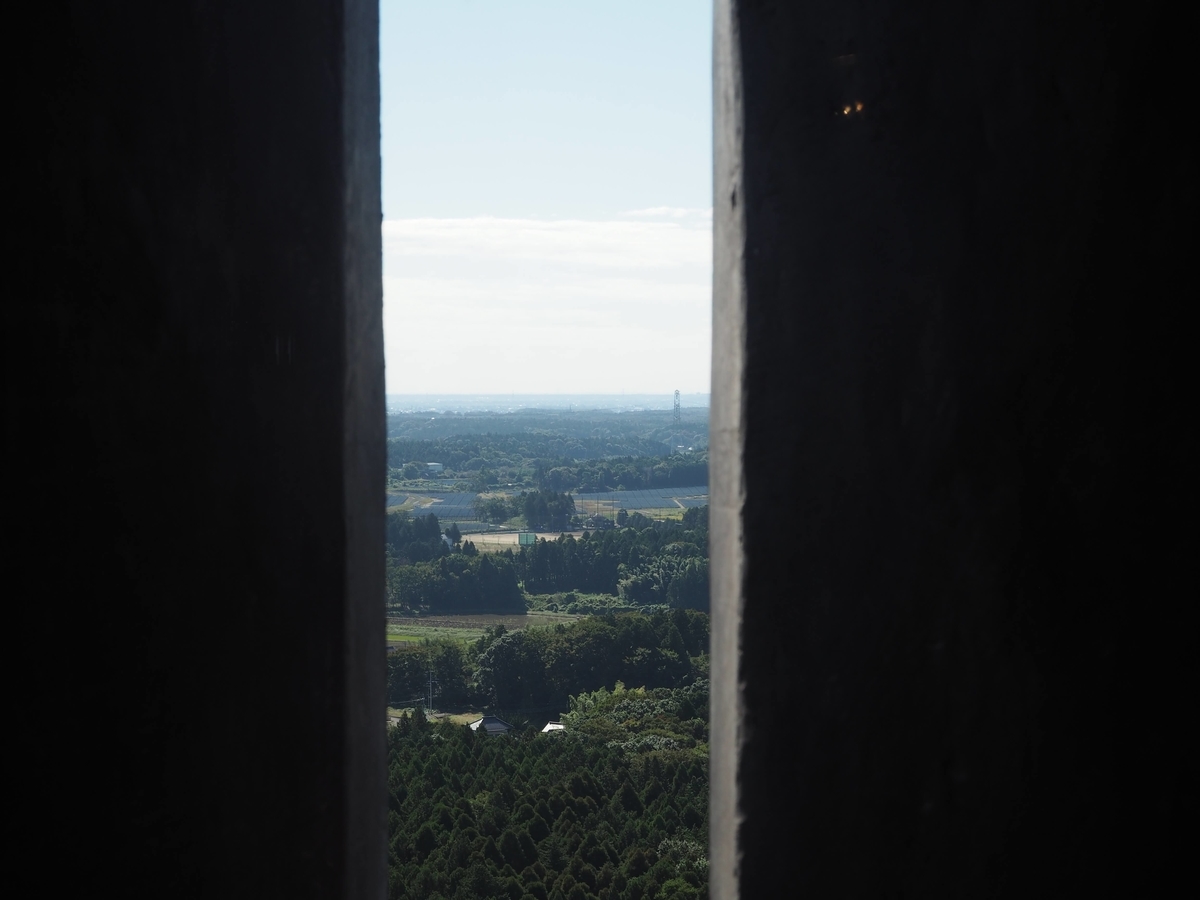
point(429, 700)
point(676, 420)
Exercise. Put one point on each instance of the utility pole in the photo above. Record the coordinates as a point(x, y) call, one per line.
point(429, 701)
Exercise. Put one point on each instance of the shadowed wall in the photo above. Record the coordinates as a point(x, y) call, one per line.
point(195, 402)
point(948, 333)
point(951, 247)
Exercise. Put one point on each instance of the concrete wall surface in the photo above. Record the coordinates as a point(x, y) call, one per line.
point(199, 276)
point(949, 447)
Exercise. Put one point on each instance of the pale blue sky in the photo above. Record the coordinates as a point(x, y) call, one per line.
point(547, 185)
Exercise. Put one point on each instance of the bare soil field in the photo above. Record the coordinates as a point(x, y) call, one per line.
point(497, 542)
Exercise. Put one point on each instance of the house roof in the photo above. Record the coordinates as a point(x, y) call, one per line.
point(553, 726)
point(491, 725)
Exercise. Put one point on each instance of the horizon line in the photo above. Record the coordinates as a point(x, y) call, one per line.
point(545, 394)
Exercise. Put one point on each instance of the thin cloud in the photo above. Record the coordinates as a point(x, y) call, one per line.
point(485, 303)
point(608, 244)
point(671, 212)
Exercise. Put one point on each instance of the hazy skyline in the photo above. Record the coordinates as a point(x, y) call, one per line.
point(547, 196)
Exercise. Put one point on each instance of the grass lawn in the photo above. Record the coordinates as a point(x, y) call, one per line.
point(406, 634)
point(674, 513)
point(401, 638)
point(457, 718)
point(464, 629)
point(462, 718)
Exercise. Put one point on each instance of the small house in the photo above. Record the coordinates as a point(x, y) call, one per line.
point(491, 725)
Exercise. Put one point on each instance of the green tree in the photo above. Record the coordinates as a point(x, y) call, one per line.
point(493, 509)
point(484, 480)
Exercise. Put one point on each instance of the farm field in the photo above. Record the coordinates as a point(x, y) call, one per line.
point(643, 501)
point(465, 717)
point(460, 507)
point(403, 630)
point(601, 508)
point(498, 541)
point(459, 718)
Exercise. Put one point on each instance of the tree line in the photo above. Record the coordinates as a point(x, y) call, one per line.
point(543, 510)
point(645, 563)
point(474, 451)
point(540, 668)
point(599, 432)
point(407, 459)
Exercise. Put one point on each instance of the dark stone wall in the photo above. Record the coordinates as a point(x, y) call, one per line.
point(950, 366)
point(195, 420)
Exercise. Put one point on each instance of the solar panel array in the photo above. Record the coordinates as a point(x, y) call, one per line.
point(448, 507)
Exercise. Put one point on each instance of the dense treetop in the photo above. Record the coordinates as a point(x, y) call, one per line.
point(614, 807)
point(536, 670)
point(551, 449)
point(604, 427)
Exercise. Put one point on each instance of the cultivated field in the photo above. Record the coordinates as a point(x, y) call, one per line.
point(498, 541)
point(458, 718)
point(645, 500)
point(403, 630)
point(460, 507)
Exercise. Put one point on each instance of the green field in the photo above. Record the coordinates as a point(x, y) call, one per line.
point(466, 628)
point(672, 513)
point(399, 637)
point(465, 717)
point(414, 634)
point(462, 718)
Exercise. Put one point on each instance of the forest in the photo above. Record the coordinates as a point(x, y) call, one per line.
point(606, 432)
point(535, 669)
point(613, 807)
point(643, 564)
point(477, 463)
point(558, 450)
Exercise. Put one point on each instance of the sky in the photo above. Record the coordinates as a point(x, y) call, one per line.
point(547, 195)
